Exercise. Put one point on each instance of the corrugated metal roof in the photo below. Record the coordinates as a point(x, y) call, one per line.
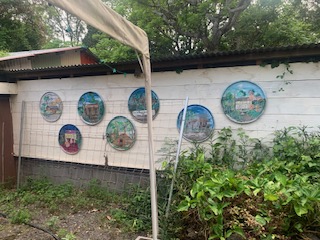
point(290, 54)
point(238, 52)
point(32, 53)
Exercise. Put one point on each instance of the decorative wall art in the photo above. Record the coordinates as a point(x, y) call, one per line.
point(121, 133)
point(137, 105)
point(51, 106)
point(243, 102)
point(70, 139)
point(91, 108)
point(199, 123)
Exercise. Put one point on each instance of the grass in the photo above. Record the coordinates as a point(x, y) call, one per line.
point(23, 205)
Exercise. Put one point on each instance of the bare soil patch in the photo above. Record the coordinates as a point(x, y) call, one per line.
point(83, 225)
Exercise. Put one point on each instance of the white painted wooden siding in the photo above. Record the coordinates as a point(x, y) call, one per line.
point(297, 105)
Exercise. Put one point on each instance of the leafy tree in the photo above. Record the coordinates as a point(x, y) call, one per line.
point(105, 47)
point(21, 26)
point(64, 27)
point(173, 27)
point(111, 50)
point(178, 27)
point(273, 23)
point(197, 25)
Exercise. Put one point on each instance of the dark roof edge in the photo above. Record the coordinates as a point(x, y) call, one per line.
point(304, 53)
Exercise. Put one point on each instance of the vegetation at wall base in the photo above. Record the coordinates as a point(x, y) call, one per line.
point(234, 187)
point(59, 203)
point(274, 196)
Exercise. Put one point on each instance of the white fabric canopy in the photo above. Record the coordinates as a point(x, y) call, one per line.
point(98, 15)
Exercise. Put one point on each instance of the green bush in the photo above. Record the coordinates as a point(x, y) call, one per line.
point(20, 216)
point(273, 197)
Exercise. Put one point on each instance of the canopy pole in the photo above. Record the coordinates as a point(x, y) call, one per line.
point(20, 143)
point(140, 63)
point(153, 185)
point(177, 154)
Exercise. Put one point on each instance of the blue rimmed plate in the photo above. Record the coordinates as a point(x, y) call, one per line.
point(70, 139)
point(51, 106)
point(137, 105)
point(91, 108)
point(243, 102)
point(199, 123)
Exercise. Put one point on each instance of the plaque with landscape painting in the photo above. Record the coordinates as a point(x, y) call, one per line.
point(199, 123)
point(51, 107)
point(137, 105)
point(70, 139)
point(243, 102)
point(91, 108)
point(121, 133)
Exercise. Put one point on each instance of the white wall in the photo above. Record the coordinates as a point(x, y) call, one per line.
point(297, 105)
point(8, 88)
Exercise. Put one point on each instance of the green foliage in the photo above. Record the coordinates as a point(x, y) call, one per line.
point(62, 26)
point(52, 223)
point(199, 26)
point(135, 215)
point(69, 236)
point(276, 197)
point(273, 23)
point(20, 216)
point(236, 150)
point(130, 212)
point(3, 53)
point(173, 27)
point(65, 235)
point(111, 50)
point(21, 26)
point(45, 192)
point(96, 191)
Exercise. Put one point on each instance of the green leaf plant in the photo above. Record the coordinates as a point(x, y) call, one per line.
point(275, 197)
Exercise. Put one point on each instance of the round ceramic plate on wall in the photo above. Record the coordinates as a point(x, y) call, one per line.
point(137, 105)
point(91, 108)
point(51, 106)
point(243, 102)
point(199, 123)
point(70, 139)
point(121, 133)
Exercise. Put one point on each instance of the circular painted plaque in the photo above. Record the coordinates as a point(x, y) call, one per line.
point(51, 106)
point(91, 108)
point(199, 123)
point(121, 133)
point(243, 102)
point(137, 105)
point(70, 139)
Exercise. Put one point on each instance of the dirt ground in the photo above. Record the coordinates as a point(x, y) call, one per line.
point(87, 225)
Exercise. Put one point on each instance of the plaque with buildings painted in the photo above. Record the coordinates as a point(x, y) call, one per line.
point(243, 102)
point(91, 108)
point(199, 123)
point(70, 139)
point(121, 133)
point(51, 106)
point(137, 105)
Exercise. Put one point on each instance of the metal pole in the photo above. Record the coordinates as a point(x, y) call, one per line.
point(2, 152)
point(20, 143)
point(153, 180)
point(177, 155)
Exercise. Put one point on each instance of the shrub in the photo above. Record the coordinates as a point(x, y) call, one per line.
point(273, 197)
